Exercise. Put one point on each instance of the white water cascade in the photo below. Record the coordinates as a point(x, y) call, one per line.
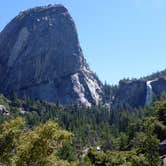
point(149, 93)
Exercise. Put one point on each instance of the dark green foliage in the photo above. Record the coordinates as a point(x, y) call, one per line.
point(109, 92)
point(38, 146)
point(68, 152)
point(125, 158)
point(160, 108)
point(158, 74)
point(161, 111)
point(126, 136)
point(9, 133)
point(144, 154)
point(149, 144)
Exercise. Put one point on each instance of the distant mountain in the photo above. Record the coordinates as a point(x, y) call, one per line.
point(40, 57)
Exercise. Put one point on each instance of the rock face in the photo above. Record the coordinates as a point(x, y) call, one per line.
point(159, 86)
point(3, 110)
point(138, 93)
point(132, 93)
point(162, 148)
point(40, 57)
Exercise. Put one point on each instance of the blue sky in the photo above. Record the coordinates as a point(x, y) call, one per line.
point(120, 38)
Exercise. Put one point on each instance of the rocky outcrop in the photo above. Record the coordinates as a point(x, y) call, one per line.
point(159, 86)
point(138, 93)
point(3, 110)
point(40, 57)
point(131, 92)
point(162, 148)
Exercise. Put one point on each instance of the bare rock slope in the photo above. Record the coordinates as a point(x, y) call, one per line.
point(40, 57)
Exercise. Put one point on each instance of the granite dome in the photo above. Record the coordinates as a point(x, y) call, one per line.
point(40, 57)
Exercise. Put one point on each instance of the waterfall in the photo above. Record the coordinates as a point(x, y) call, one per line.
point(149, 93)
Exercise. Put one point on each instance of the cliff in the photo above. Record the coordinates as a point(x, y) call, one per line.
point(40, 57)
